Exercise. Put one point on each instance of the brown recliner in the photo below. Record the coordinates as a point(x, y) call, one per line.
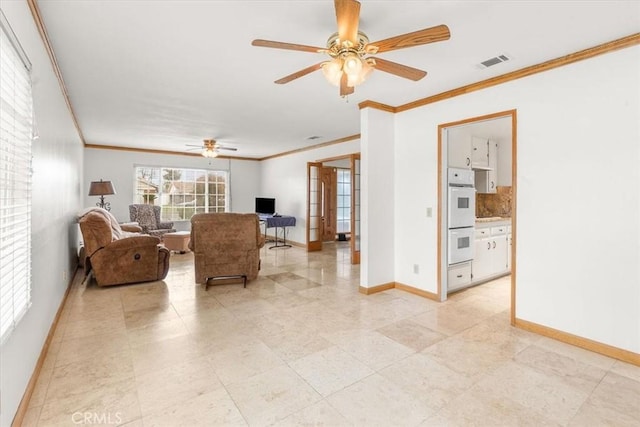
point(117, 257)
point(226, 245)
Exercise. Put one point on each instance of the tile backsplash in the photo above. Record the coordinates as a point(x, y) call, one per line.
point(498, 204)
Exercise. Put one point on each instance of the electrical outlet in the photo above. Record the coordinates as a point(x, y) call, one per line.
point(429, 212)
point(416, 269)
point(64, 275)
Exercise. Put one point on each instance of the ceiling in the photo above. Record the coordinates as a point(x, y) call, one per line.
point(163, 74)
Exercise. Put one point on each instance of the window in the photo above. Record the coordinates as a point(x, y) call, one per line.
point(181, 192)
point(16, 107)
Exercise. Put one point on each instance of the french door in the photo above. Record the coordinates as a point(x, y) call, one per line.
point(314, 207)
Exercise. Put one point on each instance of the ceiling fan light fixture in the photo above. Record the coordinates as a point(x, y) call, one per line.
point(209, 153)
point(368, 65)
point(352, 64)
point(332, 71)
point(348, 47)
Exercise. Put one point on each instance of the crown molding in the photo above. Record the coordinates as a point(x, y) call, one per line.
point(377, 106)
point(313, 147)
point(581, 55)
point(37, 17)
point(153, 151)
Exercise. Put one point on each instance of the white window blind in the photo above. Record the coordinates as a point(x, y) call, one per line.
point(16, 116)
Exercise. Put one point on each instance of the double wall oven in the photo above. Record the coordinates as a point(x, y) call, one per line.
point(461, 215)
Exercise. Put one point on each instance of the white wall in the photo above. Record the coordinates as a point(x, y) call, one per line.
point(578, 198)
point(285, 179)
point(57, 174)
point(377, 198)
point(118, 167)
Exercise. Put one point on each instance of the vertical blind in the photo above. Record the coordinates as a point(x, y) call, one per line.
point(16, 116)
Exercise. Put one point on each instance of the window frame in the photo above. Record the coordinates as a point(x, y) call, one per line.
point(164, 191)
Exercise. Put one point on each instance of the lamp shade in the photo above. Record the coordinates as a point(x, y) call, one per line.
point(332, 71)
point(209, 153)
point(101, 188)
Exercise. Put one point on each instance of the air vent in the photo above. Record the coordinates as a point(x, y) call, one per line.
point(494, 61)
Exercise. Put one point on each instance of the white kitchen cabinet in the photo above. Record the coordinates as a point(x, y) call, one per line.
point(491, 253)
point(486, 180)
point(509, 247)
point(499, 254)
point(459, 276)
point(479, 152)
point(459, 153)
point(481, 264)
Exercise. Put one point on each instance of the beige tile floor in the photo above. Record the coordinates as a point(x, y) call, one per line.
point(301, 346)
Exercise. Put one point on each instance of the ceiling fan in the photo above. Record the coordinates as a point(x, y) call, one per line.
point(349, 64)
point(210, 148)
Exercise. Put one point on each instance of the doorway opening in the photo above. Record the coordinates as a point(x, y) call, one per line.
point(483, 250)
point(333, 203)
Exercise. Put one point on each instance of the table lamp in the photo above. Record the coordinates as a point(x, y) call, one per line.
point(102, 188)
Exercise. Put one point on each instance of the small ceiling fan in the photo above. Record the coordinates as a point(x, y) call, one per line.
point(210, 148)
point(348, 48)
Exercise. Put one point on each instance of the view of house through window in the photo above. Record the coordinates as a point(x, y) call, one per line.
point(181, 192)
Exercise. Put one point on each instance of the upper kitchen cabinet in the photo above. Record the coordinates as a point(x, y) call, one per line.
point(480, 152)
point(459, 153)
point(486, 179)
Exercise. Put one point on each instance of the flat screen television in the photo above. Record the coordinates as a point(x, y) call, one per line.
point(265, 205)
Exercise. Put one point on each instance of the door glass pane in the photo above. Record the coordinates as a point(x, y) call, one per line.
point(315, 197)
point(356, 207)
point(344, 201)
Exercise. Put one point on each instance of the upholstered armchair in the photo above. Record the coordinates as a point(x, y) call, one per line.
point(226, 245)
point(148, 217)
point(118, 257)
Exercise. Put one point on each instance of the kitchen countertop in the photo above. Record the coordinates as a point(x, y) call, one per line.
point(493, 220)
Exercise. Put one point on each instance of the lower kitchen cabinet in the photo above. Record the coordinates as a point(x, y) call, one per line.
point(491, 255)
point(509, 247)
point(499, 254)
point(459, 276)
point(481, 265)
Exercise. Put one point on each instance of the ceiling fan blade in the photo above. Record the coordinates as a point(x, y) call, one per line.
point(345, 89)
point(193, 145)
point(399, 69)
point(289, 46)
point(417, 38)
point(227, 148)
point(347, 16)
point(299, 74)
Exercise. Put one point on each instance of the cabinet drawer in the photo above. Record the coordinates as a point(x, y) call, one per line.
point(499, 231)
point(482, 233)
point(459, 276)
